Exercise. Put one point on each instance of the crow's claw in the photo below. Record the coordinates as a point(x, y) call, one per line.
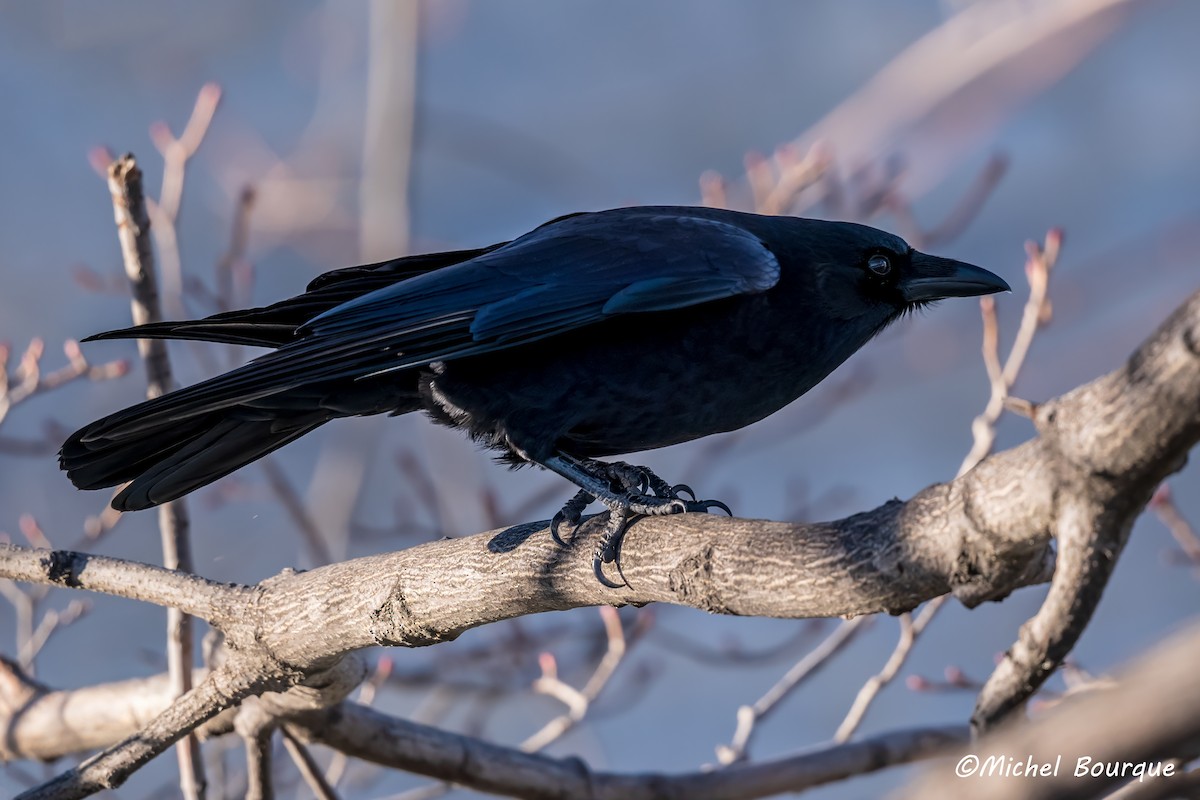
point(682, 488)
point(608, 546)
point(598, 569)
point(555, 523)
point(570, 513)
point(706, 505)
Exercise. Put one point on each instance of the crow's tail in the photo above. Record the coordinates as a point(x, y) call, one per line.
point(176, 443)
point(166, 461)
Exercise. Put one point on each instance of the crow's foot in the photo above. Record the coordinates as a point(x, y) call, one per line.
point(627, 491)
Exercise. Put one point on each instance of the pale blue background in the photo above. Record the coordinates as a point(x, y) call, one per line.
point(528, 110)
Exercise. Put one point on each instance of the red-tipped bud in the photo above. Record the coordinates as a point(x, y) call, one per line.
point(917, 683)
point(548, 664)
point(99, 158)
point(160, 134)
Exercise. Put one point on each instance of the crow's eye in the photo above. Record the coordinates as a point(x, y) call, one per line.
point(879, 264)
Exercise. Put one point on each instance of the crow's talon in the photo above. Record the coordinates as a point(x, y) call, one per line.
point(682, 488)
point(609, 544)
point(660, 487)
point(706, 505)
point(571, 513)
point(598, 569)
point(555, 523)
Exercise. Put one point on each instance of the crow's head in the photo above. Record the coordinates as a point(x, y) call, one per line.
point(863, 271)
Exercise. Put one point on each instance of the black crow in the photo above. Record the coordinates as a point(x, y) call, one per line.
point(593, 335)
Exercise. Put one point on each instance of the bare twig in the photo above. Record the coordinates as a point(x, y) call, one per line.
point(748, 717)
point(117, 577)
point(133, 227)
point(910, 629)
point(176, 152)
point(794, 175)
point(1163, 506)
point(99, 525)
point(257, 730)
point(235, 254)
point(961, 215)
point(310, 771)
point(713, 190)
point(29, 380)
point(52, 621)
point(577, 701)
point(1038, 265)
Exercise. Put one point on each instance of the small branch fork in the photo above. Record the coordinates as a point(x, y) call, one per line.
point(28, 379)
point(577, 701)
point(748, 717)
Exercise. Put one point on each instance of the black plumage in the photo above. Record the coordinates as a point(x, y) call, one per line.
point(593, 335)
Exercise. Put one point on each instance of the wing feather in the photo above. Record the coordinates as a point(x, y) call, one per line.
point(562, 276)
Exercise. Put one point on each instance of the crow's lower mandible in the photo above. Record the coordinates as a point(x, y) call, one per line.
point(593, 335)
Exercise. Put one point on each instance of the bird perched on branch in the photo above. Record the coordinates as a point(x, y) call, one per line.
point(594, 335)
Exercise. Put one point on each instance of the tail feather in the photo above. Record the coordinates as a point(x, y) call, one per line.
point(245, 332)
point(177, 459)
point(275, 325)
point(228, 446)
point(172, 445)
point(100, 463)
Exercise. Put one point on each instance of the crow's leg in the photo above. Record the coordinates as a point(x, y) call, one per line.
point(626, 490)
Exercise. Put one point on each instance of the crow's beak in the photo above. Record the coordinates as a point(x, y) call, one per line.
point(932, 278)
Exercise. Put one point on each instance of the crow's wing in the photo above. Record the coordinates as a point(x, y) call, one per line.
point(562, 276)
point(275, 325)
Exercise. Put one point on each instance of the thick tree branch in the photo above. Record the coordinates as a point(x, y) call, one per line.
point(1106, 465)
point(114, 576)
point(46, 724)
point(361, 732)
point(364, 733)
point(980, 536)
point(110, 768)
